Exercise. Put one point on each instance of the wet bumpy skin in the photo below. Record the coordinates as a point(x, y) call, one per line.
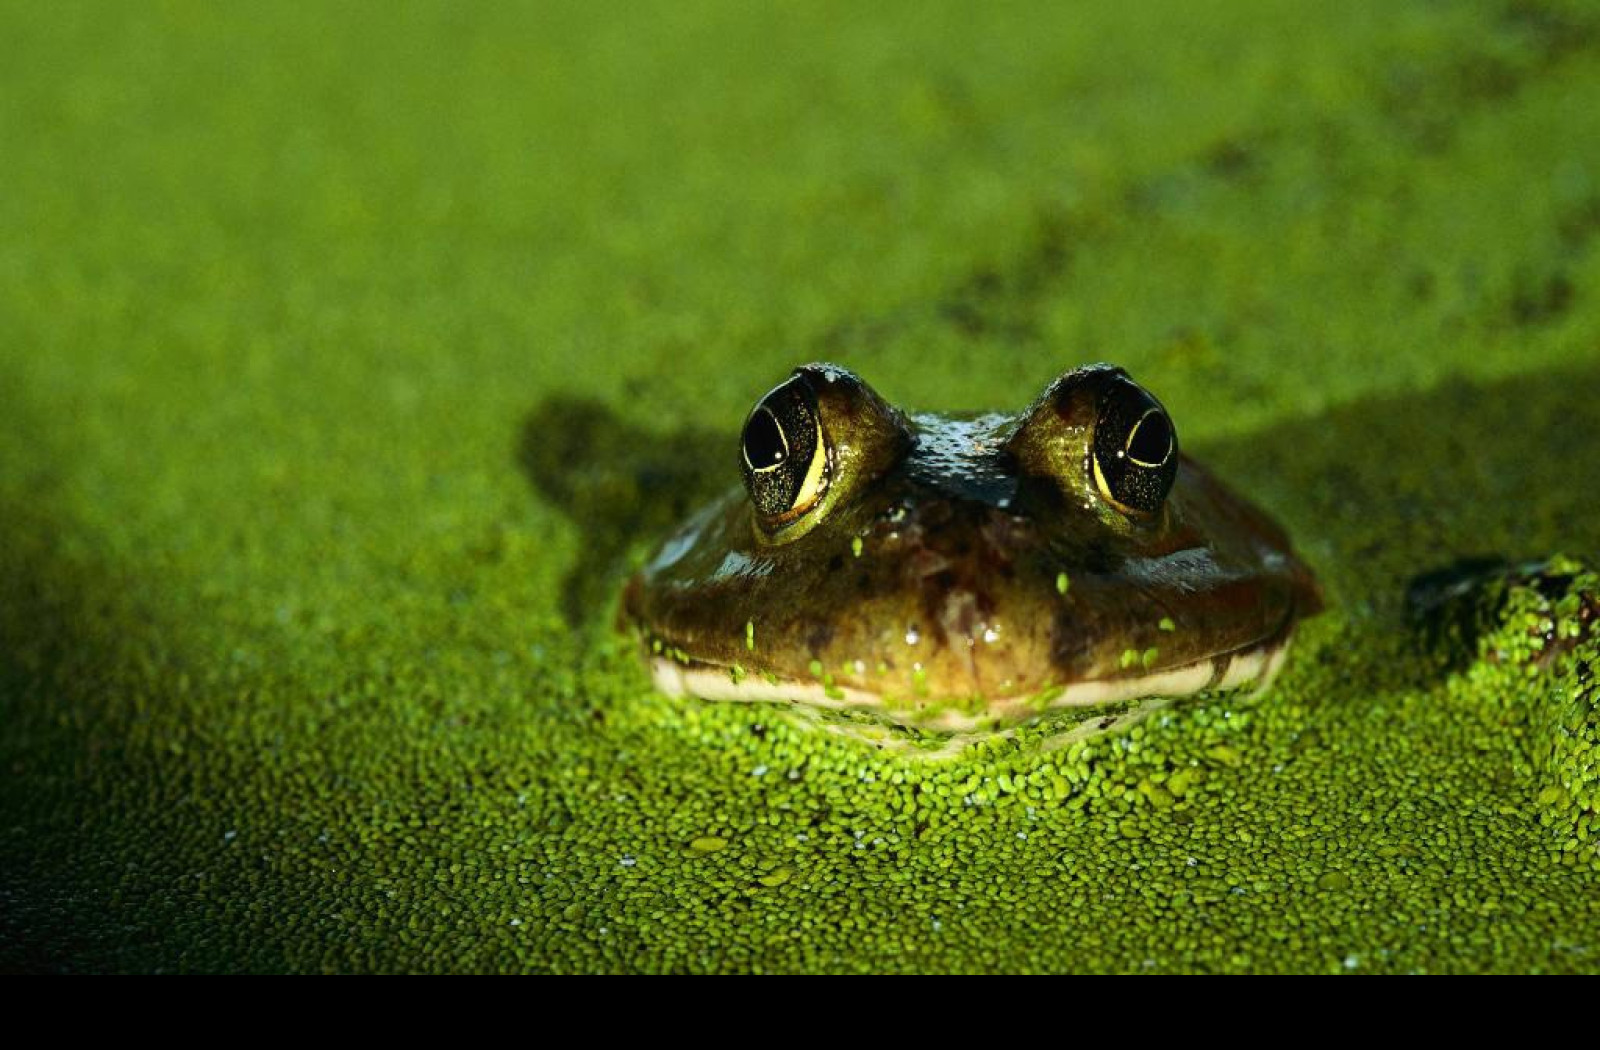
point(964, 575)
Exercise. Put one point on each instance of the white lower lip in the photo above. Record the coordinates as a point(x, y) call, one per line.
point(1252, 666)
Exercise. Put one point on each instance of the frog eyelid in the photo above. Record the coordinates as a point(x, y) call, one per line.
point(824, 435)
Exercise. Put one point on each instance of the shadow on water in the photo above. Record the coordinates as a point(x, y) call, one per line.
point(92, 875)
point(61, 614)
point(1374, 492)
point(1384, 489)
point(619, 482)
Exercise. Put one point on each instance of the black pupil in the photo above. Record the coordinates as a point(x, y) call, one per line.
point(763, 441)
point(1152, 439)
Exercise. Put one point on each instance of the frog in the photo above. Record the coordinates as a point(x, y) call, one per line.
point(939, 578)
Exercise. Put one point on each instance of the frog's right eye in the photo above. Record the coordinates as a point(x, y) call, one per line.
point(785, 455)
point(1134, 450)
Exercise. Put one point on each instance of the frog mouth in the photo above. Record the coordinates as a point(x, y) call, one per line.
point(1105, 703)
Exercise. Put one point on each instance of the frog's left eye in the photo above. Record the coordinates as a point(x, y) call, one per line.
point(784, 453)
point(1135, 448)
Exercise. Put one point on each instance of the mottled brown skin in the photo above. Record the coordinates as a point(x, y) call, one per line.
point(965, 529)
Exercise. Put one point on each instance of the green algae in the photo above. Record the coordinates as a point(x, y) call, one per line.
point(298, 672)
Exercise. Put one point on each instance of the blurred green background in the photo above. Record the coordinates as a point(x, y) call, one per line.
point(286, 292)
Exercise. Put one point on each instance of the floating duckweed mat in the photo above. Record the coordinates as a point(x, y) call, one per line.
point(349, 355)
